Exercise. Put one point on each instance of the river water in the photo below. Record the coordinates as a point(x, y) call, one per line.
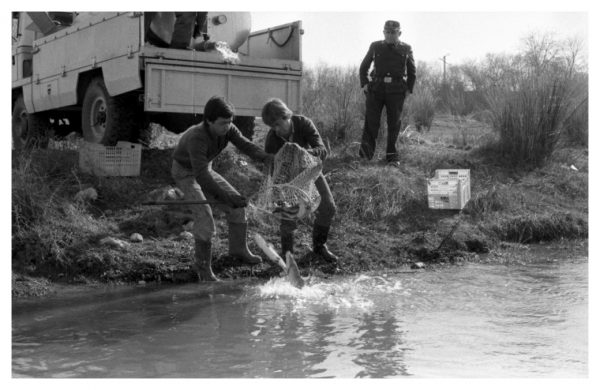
point(522, 316)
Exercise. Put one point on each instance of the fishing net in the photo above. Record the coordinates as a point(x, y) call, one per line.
point(289, 192)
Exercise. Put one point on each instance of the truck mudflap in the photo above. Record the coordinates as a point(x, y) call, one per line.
point(174, 86)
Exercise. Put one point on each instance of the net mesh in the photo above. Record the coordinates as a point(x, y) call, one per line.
point(289, 191)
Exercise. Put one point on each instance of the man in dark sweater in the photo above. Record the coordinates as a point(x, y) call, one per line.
point(193, 174)
point(393, 75)
point(287, 127)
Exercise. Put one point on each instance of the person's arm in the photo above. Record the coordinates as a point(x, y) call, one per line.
point(411, 70)
point(245, 146)
point(313, 138)
point(363, 70)
point(272, 142)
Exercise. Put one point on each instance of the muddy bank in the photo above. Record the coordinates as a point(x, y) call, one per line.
point(383, 220)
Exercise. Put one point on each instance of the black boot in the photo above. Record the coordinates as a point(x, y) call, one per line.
point(287, 243)
point(320, 234)
point(203, 264)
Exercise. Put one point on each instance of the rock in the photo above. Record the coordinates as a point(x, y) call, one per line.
point(114, 242)
point(186, 236)
point(417, 265)
point(136, 237)
point(477, 246)
point(164, 193)
point(87, 195)
point(174, 194)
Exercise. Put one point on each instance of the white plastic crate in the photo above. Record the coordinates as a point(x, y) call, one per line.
point(460, 174)
point(449, 189)
point(123, 159)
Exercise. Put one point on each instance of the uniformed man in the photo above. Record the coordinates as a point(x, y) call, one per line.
point(193, 174)
point(393, 75)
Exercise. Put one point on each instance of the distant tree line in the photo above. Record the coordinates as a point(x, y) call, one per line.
point(534, 99)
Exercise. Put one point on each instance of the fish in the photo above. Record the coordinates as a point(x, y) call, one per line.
point(293, 273)
point(289, 267)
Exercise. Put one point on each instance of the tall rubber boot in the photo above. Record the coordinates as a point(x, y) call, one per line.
point(287, 243)
point(320, 234)
point(203, 264)
point(238, 246)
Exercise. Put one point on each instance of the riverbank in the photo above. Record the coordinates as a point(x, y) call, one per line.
point(383, 220)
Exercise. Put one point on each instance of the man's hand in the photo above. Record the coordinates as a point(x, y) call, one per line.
point(237, 201)
point(365, 88)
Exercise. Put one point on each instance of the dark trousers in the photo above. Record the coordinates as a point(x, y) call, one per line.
point(377, 98)
point(324, 213)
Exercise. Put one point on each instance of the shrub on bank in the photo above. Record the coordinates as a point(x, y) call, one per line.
point(528, 118)
point(421, 106)
point(45, 219)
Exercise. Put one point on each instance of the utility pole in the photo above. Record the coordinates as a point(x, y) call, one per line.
point(444, 61)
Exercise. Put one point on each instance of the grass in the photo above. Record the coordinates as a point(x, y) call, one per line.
point(383, 220)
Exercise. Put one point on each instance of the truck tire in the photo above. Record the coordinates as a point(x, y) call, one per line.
point(246, 125)
point(29, 130)
point(107, 119)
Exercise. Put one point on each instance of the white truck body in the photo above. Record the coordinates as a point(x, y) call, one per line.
point(51, 71)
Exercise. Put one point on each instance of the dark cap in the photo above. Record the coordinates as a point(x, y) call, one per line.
point(391, 25)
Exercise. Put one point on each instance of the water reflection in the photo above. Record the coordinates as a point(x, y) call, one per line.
point(381, 346)
point(473, 320)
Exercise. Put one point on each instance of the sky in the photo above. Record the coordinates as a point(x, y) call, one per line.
point(342, 38)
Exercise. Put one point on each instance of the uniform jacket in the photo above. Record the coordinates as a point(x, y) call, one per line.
point(197, 147)
point(304, 133)
point(397, 61)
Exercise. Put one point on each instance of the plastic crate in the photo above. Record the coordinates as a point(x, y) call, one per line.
point(460, 174)
point(449, 189)
point(123, 159)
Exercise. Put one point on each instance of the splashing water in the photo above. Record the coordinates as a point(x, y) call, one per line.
point(228, 55)
point(350, 294)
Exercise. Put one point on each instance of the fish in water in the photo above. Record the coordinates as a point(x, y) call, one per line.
point(292, 273)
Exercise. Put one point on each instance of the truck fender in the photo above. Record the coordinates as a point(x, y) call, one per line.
point(121, 75)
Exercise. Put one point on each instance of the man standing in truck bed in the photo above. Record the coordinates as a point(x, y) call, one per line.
point(192, 172)
point(394, 73)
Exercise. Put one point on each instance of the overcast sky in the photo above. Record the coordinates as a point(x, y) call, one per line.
point(342, 38)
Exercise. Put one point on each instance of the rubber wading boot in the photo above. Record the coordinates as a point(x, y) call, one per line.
point(203, 264)
point(238, 247)
point(320, 234)
point(287, 243)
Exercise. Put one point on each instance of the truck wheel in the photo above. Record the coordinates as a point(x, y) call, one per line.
point(246, 125)
point(29, 130)
point(106, 119)
point(19, 124)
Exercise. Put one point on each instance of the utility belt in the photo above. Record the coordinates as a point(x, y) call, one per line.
point(388, 79)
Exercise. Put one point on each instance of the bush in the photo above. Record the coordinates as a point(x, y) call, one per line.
point(45, 220)
point(422, 109)
point(529, 117)
point(332, 98)
point(576, 125)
